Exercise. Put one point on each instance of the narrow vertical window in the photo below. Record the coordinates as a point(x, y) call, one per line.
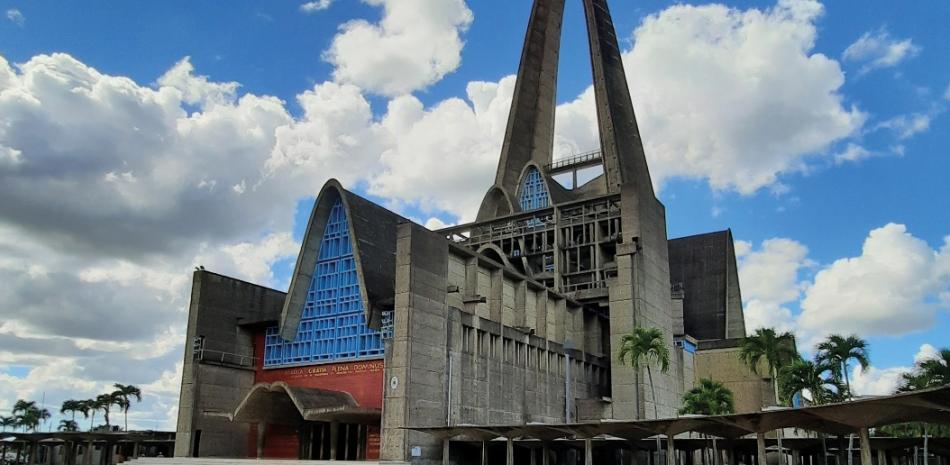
point(534, 194)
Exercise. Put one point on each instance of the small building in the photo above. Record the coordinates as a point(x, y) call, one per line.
point(515, 318)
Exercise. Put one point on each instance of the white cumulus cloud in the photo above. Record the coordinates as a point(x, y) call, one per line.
point(892, 288)
point(877, 49)
point(415, 44)
point(884, 381)
point(769, 280)
point(737, 97)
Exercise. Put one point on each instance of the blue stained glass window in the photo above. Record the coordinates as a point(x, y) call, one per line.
point(534, 194)
point(332, 325)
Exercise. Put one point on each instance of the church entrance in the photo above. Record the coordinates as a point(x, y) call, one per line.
point(339, 441)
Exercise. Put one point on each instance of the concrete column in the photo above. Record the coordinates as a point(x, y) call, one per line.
point(881, 457)
point(544, 454)
point(588, 452)
point(760, 447)
point(445, 452)
point(534, 456)
point(34, 448)
point(865, 446)
point(510, 452)
point(135, 449)
point(484, 453)
point(261, 433)
point(334, 435)
point(670, 450)
point(796, 457)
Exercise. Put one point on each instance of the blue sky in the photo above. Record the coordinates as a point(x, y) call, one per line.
point(818, 133)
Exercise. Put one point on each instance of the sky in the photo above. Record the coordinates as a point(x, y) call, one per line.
point(139, 140)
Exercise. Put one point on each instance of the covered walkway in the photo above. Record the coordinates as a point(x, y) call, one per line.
point(736, 431)
point(83, 448)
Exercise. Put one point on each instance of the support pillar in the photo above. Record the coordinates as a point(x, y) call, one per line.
point(670, 450)
point(881, 457)
point(34, 448)
point(760, 448)
point(510, 452)
point(334, 435)
point(796, 457)
point(445, 452)
point(261, 432)
point(545, 460)
point(865, 446)
point(484, 453)
point(588, 452)
point(135, 449)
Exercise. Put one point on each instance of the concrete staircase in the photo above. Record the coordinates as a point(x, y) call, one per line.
point(222, 461)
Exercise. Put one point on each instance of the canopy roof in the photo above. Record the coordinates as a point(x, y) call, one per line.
point(931, 405)
point(281, 403)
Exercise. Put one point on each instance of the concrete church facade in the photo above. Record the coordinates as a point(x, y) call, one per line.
point(515, 318)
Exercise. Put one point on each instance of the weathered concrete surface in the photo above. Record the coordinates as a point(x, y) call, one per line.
point(719, 361)
point(210, 390)
point(704, 266)
point(529, 136)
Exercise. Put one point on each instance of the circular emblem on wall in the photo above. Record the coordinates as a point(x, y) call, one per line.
point(393, 383)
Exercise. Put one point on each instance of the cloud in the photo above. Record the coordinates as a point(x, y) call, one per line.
point(877, 49)
point(884, 381)
point(891, 289)
point(769, 279)
point(16, 17)
point(315, 6)
point(853, 152)
point(415, 44)
point(906, 126)
point(766, 101)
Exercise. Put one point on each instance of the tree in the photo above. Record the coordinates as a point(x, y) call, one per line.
point(126, 393)
point(928, 373)
point(708, 398)
point(28, 415)
point(645, 347)
point(837, 351)
point(104, 402)
point(68, 425)
point(777, 350)
point(7, 422)
point(88, 408)
point(802, 375)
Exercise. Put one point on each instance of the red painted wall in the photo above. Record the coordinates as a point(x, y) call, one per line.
point(363, 380)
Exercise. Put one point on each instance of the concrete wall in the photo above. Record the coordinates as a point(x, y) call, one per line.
point(751, 391)
point(209, 389)
point(477, 343)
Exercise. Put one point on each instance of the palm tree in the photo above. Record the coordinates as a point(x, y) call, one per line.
point(28, 415)
point(68, 425)
point(777, 350)
point(838, 350)
point(644, 347)
point(127, 392)
point(88, 408)
point(803, 375)
point(104, 402)
point(932, 372)
point(7, 422)
point(708, 398)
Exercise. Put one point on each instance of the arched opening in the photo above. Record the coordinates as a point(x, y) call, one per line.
point(533, 192)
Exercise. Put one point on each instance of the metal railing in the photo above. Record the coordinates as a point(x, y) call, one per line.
point(574, 160)
point(225, 358)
